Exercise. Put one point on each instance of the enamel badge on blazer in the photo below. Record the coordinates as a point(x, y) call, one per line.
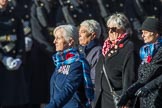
point(64, 69)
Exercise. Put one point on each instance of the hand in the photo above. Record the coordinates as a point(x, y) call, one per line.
point(129, 94)
point(15, 64)
point(133, 89)
point(7, 61)
point(142, 92)
point(10, 63)
point(123, 100)
point(28, 43)
point(124, 107)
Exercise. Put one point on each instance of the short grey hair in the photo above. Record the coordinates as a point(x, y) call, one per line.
point(93, 26)
point(69, 31)
point(121, 21)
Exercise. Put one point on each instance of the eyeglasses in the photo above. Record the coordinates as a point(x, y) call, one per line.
point(113, 29)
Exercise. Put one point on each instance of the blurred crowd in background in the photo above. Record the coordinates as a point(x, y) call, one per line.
point(26, 36)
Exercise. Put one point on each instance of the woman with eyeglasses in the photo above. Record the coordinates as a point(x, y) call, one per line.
point(119, 59)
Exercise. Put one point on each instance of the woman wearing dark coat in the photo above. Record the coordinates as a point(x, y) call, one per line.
point(89, 34)
point(148, 87)
point(70, 85)
point(13, 85)
point(118, 57)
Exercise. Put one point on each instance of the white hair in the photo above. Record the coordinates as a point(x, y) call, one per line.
point(121, 21)
point(69, 31)
point(93, 26)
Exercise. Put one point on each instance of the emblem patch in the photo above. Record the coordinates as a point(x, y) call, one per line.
point(64, 69)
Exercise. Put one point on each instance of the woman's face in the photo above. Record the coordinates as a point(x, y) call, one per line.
point(84, 36)
point(3, 3)
point(113, 32)
point(59, 41)
point(149, 37)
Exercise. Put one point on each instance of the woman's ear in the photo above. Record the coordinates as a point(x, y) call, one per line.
point(71, 42)
point(154, 34)
point(157, 35)
point(93, 36)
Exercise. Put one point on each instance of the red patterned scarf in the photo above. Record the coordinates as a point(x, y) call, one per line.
point(108, 45)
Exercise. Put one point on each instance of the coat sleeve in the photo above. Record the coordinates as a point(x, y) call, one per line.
point(73, 81)
point(155, 83)
point(93, 58)
point(129, 74)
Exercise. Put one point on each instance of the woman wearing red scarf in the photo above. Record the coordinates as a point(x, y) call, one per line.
point(118, 57)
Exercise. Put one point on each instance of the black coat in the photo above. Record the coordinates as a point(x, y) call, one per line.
point(150, 76)
point(121, 70)
point(12, 83)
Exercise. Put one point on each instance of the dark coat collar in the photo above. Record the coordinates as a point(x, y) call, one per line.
point(86, 49)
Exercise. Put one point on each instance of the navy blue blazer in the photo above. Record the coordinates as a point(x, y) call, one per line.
point(66, 87)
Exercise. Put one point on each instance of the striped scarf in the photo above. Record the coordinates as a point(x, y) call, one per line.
point(108, 45)
point(70, 56)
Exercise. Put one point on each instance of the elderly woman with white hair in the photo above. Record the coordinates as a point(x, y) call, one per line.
point(116, 67)
point(70, 85)
point(89, 34)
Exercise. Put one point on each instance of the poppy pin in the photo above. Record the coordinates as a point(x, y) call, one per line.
point(69, 55)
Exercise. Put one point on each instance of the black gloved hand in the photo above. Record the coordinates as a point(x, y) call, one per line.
point(142, 92)
point(133, 89)
point(129, 94)
point(123, 100)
